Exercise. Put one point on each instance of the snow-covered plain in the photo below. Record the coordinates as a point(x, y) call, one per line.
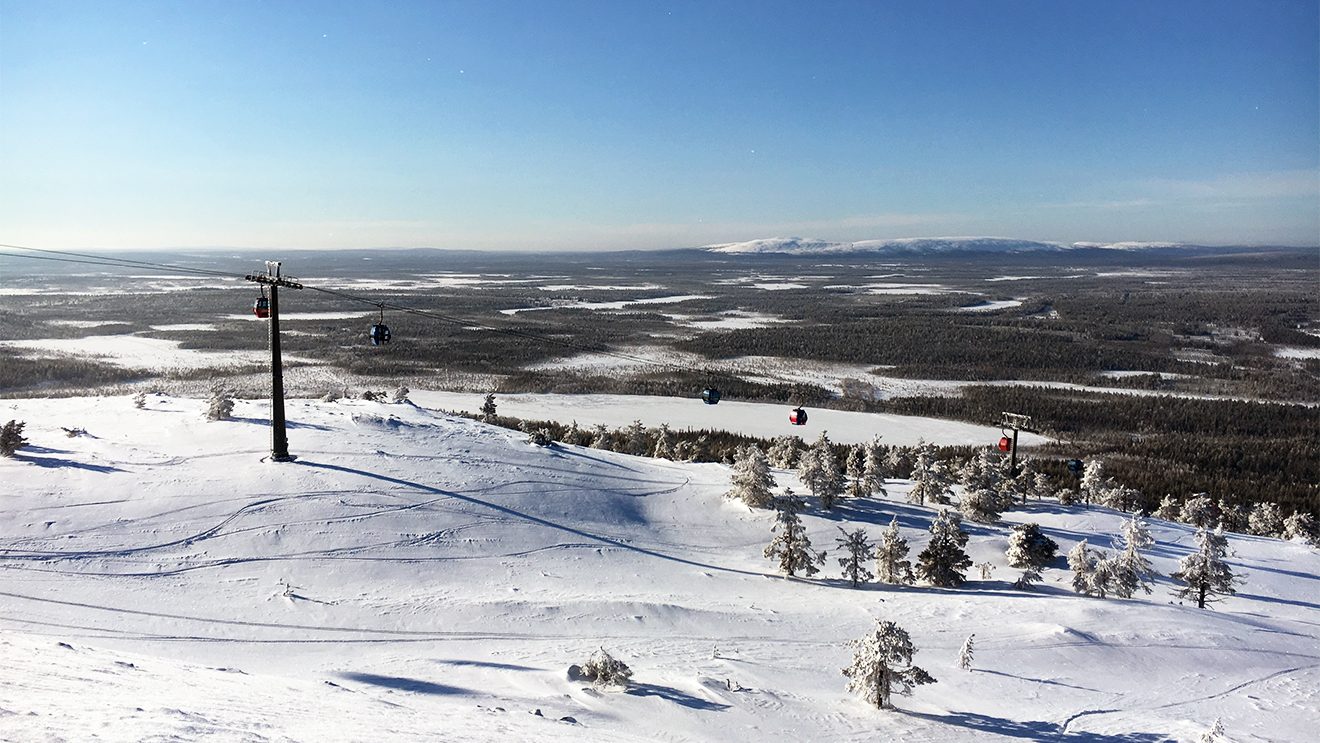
point(418, 577)
point(138, 352)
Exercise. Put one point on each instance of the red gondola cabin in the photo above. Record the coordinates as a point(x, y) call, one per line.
point(797, 417)
point(261, 307)
point(1005, 443)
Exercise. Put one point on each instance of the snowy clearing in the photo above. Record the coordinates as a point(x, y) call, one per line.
point(987, 306)
point(82, 324)
point(417, 577)
point(753, 419)
point(1295, 352)
point(138, 352)
point(605, 305)
point(729, 320)
point(289, 316)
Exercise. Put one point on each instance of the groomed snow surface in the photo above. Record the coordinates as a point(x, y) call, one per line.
point(418, 577)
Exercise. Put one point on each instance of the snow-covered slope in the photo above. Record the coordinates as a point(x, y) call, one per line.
point(418, 577)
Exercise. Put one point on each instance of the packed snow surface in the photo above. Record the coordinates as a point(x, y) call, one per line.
point(418, 577)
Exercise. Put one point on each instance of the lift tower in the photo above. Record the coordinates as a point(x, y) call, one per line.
point(279, 437)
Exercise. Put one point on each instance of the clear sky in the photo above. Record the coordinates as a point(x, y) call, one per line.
point(540, 124)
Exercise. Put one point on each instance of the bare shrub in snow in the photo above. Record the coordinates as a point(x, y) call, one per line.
point(11, 438)
point(604, 670)
point(882, 665)
point(220, 406)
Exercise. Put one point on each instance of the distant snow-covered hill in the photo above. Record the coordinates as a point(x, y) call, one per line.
point(908, 245)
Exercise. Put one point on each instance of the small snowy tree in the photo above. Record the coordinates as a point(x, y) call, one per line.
point(488, 408)
point(1200, 511)
point(981, 505)
point(140, 400)
point(1234, 516)
point(664, 443)
point(401, 394)
point(929, 478)
point(791, 547)
point(858, 487)
point(638, 444)
point(1205, 575)
point(890, 562)
point(1169, 509)
point(1090, 569)
point(1301, 526)
point(785, 451)
point(603, 670)
point(1030, 550)
point(751, 481)
point(965, 655)
point(858, 550)
point(875, 468)
point(943, 563)
point(1132, 571)
point(1216, 733)
point(1266, 519)
point(600, 437)
point(11, 438)
point(819, 471)
point(882, 665)
point(1093, 484)
point(220, 407)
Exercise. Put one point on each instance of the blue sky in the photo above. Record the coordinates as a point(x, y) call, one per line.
point(558, 125)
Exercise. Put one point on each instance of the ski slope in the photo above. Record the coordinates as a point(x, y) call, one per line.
point(414, 576)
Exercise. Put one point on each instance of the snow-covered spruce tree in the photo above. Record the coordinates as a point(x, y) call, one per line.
point(1030, 550)
point(1266, 519)
point(900, 458)
point(791, 547)
point(1301, 526)
point(638, 443)
point(1216, 733)
point(1170, 509)
point(1205, 575)
point(882, 665)
point(983, 471)
point(965, 655)
point(1094, 483)
point(220, 407)
point(11, 438)
point(488, 408)
point(875, 468)
point(819, 471)
point(664, 443)
point(858, 551)
point(891, 564)
point(1120, 497)
point(1041, 487)
point(600, 437)
point(1200, 511)
point(1132, 571)
point(401, 394)
point(1234, 516)
point(930, 479)
point(1068, 497)
point(751, 482)
point(856, 470)
point(981, 505)
point(785, 451)
point(943, 563)
point(603, 670)
point(1089, 570)
point(140, 400)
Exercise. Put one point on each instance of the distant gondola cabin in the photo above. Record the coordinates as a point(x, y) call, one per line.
point(797, 417)
point(1005, 443)
point(710, 396)
point(261, 307)
point(379, 334)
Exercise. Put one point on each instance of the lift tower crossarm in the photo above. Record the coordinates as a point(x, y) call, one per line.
point(279, 437)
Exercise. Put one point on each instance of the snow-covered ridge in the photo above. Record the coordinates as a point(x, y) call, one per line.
point(803, 246)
